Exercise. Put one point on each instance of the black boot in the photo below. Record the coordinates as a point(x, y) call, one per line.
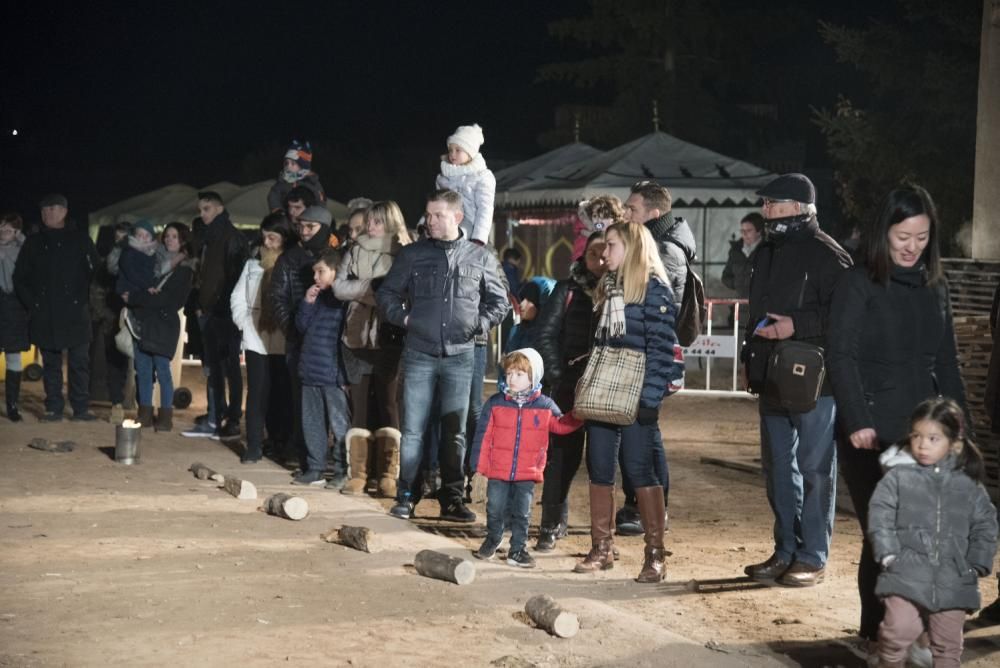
point(12, 386)
point(549, 528)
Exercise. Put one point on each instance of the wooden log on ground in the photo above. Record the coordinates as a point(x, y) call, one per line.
point(286, 506)
point(359, 538)
point(439, 566)
point(202, 472)
point(241, 489)
point(547, 614)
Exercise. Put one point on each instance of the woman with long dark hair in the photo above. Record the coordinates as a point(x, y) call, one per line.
point(268, 390)
point(890, 345)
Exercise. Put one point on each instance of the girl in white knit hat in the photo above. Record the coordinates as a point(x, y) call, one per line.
point(464, 170)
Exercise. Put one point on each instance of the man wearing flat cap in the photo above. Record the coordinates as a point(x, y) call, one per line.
point(791, 287)
point(52, 279)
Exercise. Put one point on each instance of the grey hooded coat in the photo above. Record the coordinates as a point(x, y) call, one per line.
point(941, 528)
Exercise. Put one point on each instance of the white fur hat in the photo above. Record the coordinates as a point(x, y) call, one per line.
point(468, 138)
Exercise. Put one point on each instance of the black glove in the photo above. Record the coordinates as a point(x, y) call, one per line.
point(648, 416)
point(376, 283)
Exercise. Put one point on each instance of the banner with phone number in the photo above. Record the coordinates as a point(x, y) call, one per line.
point(712, 346)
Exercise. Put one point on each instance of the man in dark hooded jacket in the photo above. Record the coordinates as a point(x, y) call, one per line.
point(292, 275)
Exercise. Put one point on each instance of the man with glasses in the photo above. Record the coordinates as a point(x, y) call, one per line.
point(791, 288)
point(650, 204)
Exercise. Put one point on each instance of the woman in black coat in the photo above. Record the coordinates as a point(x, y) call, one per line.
point(13, 315)
point(160, 327)
point(890, 345)
point(565, 333)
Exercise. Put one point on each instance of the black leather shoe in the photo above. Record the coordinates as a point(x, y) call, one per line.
point(801, 574)
point(771, 569)
point(546, 540)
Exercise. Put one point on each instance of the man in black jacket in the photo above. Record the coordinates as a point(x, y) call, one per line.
point(791, 289)
point(292, 275)
point(223, 252)
point(444, 290)
point(52, 279)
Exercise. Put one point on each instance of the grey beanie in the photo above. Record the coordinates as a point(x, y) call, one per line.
point(316, 214)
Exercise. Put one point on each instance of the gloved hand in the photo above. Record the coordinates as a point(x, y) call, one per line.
point(648, 416)
point(479, 482)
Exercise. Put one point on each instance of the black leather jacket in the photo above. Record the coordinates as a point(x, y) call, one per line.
point(449, 290)
point(292, 275)
point(566, 327)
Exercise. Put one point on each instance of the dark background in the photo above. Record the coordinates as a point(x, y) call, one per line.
point(113, 100)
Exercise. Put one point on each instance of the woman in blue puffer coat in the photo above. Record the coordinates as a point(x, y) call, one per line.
point(637, 313)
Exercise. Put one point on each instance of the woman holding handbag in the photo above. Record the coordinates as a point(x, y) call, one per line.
point(371, 350)
point(630, 371)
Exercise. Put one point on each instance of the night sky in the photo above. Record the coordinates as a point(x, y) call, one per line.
point(111, 100)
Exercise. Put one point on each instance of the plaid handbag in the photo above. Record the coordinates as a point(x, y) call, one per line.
point(608, 391)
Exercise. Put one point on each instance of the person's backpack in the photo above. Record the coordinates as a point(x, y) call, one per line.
point(692, 312)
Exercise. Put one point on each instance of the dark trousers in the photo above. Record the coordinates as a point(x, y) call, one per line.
point(325, 410)
point(659, 466)
point(638, 443)
point(475, 403)
point(296, 444)
point(79, 379)
point(222, 351)
point(375, 397)
point(268, 401)
point(862, 472)
point(564, 456)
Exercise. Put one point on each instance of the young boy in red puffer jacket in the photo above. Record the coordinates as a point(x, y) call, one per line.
point(511, 443)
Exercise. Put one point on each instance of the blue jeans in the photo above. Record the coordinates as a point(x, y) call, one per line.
point(324, 405)
point(144, 366)
point(510, 501)
point(451, 376)
point(475, 400)
point(639, 444)
point(799, 459)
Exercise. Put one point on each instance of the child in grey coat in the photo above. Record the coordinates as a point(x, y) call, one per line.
point(934, 531)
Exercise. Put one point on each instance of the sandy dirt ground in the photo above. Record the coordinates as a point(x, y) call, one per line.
point(106, 564)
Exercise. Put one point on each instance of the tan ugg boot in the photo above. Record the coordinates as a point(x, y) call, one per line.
point(388, 441)
point(359, 441)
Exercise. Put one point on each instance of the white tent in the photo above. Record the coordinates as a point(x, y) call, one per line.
point(694, 175)
point(247, 205)
point(536, 169)
point(710, 190)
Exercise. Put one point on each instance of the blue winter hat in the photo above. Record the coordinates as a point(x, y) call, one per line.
point(144, 224)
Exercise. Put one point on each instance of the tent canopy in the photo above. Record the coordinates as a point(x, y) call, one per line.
point(537, 168)
point(694, 175)
point(247, 205)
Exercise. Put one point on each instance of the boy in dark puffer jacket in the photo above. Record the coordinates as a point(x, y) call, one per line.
point(510, 447)
point(320, 319)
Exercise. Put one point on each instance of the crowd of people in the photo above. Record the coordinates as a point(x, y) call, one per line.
point(366, 350)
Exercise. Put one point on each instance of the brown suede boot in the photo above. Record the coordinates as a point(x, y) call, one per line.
point(145, 416)
point(602, 518)
point(165, 419)
point(650, 502)
point(387, 442)
point(358, 443)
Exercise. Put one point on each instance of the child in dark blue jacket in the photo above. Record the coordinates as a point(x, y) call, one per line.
point(320, 319)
